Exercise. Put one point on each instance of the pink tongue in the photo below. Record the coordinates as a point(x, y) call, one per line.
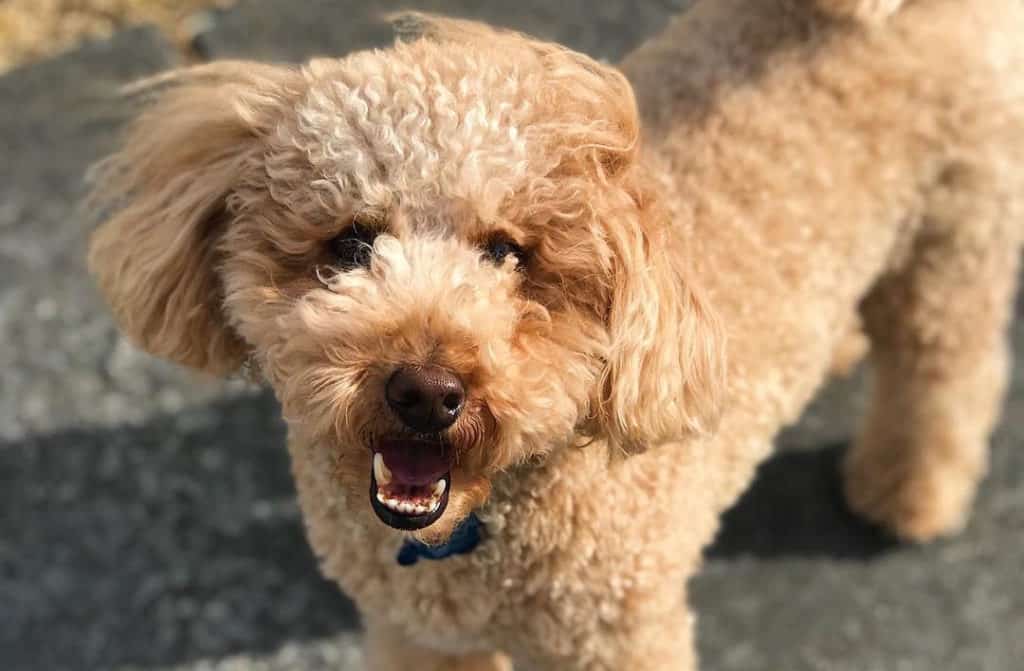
point(415, 462)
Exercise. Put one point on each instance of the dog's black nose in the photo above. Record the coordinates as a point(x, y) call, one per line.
point(426, 398)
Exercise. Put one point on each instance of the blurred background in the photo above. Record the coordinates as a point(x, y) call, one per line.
point(147, 518)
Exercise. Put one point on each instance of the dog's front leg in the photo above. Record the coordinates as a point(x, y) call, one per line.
point(664, 643)
point(388, 649)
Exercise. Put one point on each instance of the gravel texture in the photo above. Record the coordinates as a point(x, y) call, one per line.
point(147, 518)
point(273, 30)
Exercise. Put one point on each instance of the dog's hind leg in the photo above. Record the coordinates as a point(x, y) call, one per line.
point(940, 357)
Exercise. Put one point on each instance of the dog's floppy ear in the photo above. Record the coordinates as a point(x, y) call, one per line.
point(156, 258)
point(666, 370)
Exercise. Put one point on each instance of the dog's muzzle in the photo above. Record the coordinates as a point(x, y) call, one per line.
point(410, 481)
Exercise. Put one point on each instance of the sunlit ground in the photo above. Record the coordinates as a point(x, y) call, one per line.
point(34, 29)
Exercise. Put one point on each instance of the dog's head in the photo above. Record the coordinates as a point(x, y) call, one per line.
point(444, 257)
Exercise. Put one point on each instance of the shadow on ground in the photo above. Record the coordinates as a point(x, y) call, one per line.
point(796, 508)
point(181, 539)
point(156, 544)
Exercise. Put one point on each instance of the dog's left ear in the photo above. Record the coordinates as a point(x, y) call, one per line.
point(666, 370)
point(665, 363)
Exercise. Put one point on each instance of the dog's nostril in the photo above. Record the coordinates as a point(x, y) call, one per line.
point(427, 399)
point(452, 402)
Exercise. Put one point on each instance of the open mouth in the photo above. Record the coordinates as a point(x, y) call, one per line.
point(410, 481)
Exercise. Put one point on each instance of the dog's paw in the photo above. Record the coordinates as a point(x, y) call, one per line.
point(915, 502)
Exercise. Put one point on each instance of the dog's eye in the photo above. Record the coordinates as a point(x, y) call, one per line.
point(353, 248)
point(499, 248)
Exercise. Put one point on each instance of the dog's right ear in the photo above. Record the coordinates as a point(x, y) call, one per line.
point(156, 258)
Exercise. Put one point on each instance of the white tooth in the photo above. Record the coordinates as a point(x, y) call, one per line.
point(435, 505)
point(380, 469)
point(404, 507)
point(440, 486)
point(380, 497)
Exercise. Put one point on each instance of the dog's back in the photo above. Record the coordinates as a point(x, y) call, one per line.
point(830, 154)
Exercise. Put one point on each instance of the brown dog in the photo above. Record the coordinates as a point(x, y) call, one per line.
point(483, 296)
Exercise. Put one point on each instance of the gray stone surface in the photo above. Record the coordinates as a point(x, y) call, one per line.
point(279, 31)
point(158, 544)
point(147, 518)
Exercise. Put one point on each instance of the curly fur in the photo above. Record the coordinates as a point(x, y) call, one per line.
point(805, 167)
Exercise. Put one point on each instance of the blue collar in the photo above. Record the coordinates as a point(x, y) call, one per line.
point(463, 540)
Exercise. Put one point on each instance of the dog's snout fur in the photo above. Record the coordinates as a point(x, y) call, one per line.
point(427, 399)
